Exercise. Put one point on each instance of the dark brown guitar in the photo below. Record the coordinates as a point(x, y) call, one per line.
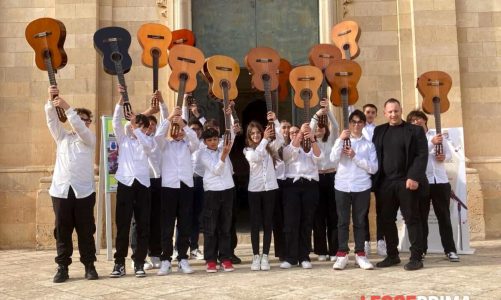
point(434, 87)
point(46, 36)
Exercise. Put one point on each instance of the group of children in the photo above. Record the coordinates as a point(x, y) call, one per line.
point(175, 175)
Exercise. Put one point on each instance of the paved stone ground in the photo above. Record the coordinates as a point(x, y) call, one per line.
point(28, 275)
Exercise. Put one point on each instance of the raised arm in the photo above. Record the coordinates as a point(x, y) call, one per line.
point(55, 128)
point(191, 137)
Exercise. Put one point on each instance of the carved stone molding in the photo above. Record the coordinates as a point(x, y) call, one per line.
point(346, 4)
point(162, 7)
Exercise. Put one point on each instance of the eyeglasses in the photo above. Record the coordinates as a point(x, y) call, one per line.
point(89, 121)
point(360, 122)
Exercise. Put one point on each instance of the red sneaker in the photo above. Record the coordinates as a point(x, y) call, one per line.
point(227, 265)
point(211, 267)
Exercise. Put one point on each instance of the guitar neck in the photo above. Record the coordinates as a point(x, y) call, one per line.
point(50, 70)
point(267, 94)
point(120, 72)
point(274, 102)
point(436, 113)
point(180, 92)
point(155, 71)
point(226, 103)
point(306, 110)
point(323, 88)
point(344, 100)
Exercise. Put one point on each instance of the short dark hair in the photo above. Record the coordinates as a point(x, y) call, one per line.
point(153, 118)
point(417, 114)
point(357, 113)
point(142, 120)
point(209, 133)
point(83, 111)
point(392, 100)
point(194, 121)
point(369, 105)
point(211, 123)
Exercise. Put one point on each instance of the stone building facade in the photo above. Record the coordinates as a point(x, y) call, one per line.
point(400, 40)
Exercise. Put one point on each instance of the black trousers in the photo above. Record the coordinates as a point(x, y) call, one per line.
point(440, 195)
point(154, 246)
point(73, 213)
point(216, 224)
point(394, 195)
point(325, 230)
point(278, 222)
point(356, 203)
point(198, 205)
point(300, 203)
point(379, 226)
point(261, 206)
point(132, 200)
point(177, 203)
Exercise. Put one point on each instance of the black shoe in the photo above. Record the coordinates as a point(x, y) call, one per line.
point(90, 272)
point(388, 262)
point(118, 271)
point(139, 270)
point(235, 260)
point(61, 275)
point(413, 265)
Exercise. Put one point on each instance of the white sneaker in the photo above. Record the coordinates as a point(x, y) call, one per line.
point(184, 266)
point(367, 248)
point(333, 258)
point(453, 257)
point(323, 257)
point(340, 263)
point(156, 262)
point(196, 254)
point(265, 263)
point(306, 264)
point(165, 268)
point(256, 263)
point(381, 248)
point(174, 254)
point(147, 265)
point(285, 265)
point(363, 262)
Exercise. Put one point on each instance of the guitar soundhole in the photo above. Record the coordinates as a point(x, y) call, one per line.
point(265, 77)
point(46, 53)
point(306, 94)
point(346, 47)
point(436, 99)
point(183, 76)
point(115, 56)
point(344, 91)
point(155, 52)
point(225, 84)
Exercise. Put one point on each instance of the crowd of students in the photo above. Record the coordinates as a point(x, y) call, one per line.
point(303, 179)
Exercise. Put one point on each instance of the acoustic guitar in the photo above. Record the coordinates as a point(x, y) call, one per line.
point(343, 76)
point(46, 36)
point(222, 73)
point(321, 56)
point(284, 69)
point(185, 62)
point(182, 37)
point(306, 80)
point(434, 87)
point(263, 63)
point(112, 43)
point(155, 39)
point(345, 36)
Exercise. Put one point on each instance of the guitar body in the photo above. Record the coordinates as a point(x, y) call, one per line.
point(432, 85)
point(185, 62)
point(263, 62)
point(284, 70)
point(47, 34)
point(345, 36)
point(155, 39)
point(343, 74)
point(322, 55)
point(219, 69)
point(182, 37)
point(104, 38)
point(306, 80)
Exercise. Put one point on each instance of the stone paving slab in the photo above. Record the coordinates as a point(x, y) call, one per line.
point(28, 275)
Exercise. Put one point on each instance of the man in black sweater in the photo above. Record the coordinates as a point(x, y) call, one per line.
point(400, 181)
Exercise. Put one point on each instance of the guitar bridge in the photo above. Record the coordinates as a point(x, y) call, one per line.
point(155, 37)
point(307, 78)
point(42, 34)
point(344, 32)
point(223, 68)
point(343, 73)
point(188, 60)
point(264, 60)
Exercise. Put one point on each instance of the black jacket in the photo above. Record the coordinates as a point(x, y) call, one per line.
point(416, 152)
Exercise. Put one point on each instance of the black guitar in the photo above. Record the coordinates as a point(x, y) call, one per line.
point(112, 43)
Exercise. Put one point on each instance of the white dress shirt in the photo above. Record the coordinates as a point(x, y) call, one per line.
point(262, 176)
point(368, 131)
point(176, 156)
point(354, 174)
point(218, 175)
point(133, 152)
point(74, 156)
point(326, 147)
point(198, 168)
point(300, 164)
point(435, 170)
